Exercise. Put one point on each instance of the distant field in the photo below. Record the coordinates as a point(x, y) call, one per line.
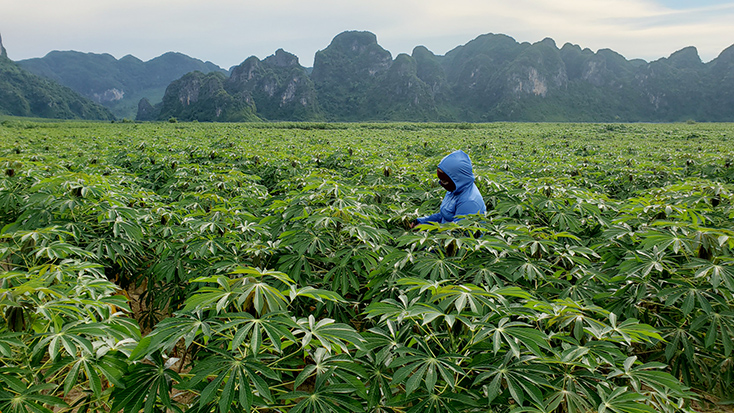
point(271, 267)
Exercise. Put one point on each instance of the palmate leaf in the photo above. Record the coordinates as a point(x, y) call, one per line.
point(307, 241)
point(424, 312)
point(343, 278)
point(208, 247)
point(720, 331)
point(644, 263)
point(244, 328)
point(566, 221)
point(340, 365)
point(523, 378)
point(298, 266)
point(628, 331)
point(436, 267)
point(667, 239)
point(620, 231)
point(328, 334)
point(73, 338)
point(60, 250)
point(619, 400)
point(17, 398)
point(476, 299)
point(530, 270)
point(420, 365)
point(464, 295)
point(145, 385)
point(647, 376)
point(421, 284)
point(575, 399)
point(368, 235)
point(328, 396)
point(262, 273)
point(111, 366)
point(444, 402)
point(242, 293)
point(680, 353)
point(115, 250)
point(632, 331)
point(239, 380)
point(378, 377)
point(9, 341)
point(390, 309)
point(319, 295)
point(717, 274)
point(514, 335)
point(686, 296)
point(428, 312)
point(170, 331)
point(352, 266)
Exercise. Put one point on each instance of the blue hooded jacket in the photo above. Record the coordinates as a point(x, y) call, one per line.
point(465, 199)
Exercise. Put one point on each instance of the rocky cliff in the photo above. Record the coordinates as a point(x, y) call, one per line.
point(276, 88)
point(3, 52)
point(202, 97)
point(280, 87)
point(346, 71)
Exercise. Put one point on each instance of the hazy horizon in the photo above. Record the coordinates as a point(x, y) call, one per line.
point(226, 32)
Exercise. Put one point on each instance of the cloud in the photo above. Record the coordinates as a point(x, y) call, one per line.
point(228, 31)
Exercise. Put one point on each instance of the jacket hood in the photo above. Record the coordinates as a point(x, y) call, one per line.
point(457, 166)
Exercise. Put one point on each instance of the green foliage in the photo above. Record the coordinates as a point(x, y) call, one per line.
point(25, 94)
point(118, 84)
point(346, 71)
point(280, 87)
point(490, 78)
point(211, 102)
point(267, 267)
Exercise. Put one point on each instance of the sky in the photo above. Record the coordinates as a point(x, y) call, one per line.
point(226, 32)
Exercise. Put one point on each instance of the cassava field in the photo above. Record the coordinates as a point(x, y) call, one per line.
point(271, 268)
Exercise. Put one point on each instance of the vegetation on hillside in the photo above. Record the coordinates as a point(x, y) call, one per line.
point(491, 78)
point(25, 94)
point(118, 84)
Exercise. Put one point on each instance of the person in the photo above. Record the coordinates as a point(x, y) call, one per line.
point(462, 195)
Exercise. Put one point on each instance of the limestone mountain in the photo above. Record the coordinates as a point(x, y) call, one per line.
point(280, 87)
point(721, 77)
point(430, 71)
point(401, 94)
point(118, 84)
point(490, 78)
point(202, 97)
point(276, 88)
point(25, 94)
point(346, 71)
point(496, 78)
point(146, 111)
point(474, 73)
point(669, 85)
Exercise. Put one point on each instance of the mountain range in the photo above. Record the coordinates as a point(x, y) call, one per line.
point(117, 84)
point(491, 78)
point(25, 94)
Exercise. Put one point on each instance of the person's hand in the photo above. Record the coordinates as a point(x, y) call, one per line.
point(413, 224)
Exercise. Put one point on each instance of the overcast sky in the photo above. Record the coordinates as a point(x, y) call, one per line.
point(226, 32)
